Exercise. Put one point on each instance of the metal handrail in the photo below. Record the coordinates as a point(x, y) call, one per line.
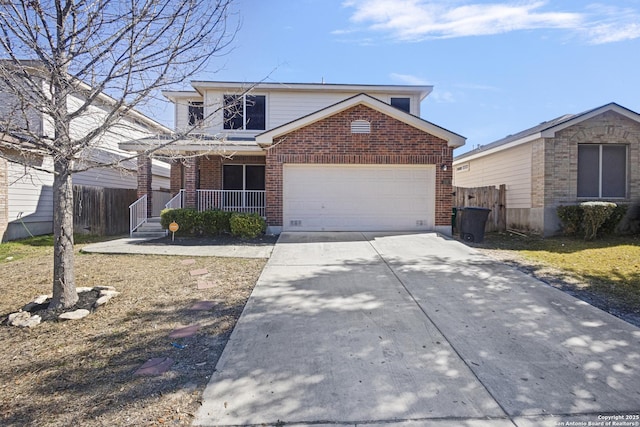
point(246, 201)
point(176, 202)
point(137, 214)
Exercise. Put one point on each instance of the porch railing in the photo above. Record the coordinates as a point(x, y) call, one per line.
point(137, 214)
point(245, 201)
point(177, 202)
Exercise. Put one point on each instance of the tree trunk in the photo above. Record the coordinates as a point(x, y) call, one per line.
point(64, 286)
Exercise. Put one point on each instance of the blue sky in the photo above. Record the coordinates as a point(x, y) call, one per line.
point(497, 67)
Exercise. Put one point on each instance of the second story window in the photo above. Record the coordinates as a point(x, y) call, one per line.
point(245, 112)
point(403, 104)
point(196, 113)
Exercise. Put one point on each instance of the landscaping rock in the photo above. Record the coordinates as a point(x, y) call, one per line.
point(74, 315)
point(199, 272)
point(102, 300)
point(83, 289)
point(155, 366)
point(108, 292)
point(41, 299)
point(23, 319)
point(104, 288)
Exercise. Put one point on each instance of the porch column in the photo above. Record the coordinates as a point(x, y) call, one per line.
point(175, 177)
point(190, 181)
point(144, 181)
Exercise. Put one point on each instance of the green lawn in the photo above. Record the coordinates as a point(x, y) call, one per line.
point(609, 265)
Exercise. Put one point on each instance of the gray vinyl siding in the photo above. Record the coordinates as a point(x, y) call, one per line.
point(511, 167)
point(30, 193)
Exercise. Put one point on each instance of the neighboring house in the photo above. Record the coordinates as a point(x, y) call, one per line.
point(26, 200)
point(593, 155)
point(312, 157)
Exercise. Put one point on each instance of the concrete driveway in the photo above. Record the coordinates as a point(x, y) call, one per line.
point(416, 329)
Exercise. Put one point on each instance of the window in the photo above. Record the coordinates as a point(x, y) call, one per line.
point(243, 177)
point(403, 104)
point(246, 178)
point(196, 113)
point(245, 112)
point(602, 171)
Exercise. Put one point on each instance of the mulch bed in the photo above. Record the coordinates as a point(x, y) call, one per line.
point(222, 240)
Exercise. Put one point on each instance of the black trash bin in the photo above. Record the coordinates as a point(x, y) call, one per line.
point(472, 222)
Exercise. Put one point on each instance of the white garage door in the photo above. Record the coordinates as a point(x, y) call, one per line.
point(358, 197)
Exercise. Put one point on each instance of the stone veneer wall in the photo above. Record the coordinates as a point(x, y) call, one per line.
point(330, 141)
point(561, 162)
point(561, 156)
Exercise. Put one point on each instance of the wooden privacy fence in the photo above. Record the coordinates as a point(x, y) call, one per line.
point(101, 211)
point(494, 198)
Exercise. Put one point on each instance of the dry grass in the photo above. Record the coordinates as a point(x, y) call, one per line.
point(81, 373)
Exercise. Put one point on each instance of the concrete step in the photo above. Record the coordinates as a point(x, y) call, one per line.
point(150, 226)
point(150, 229)
point(149, 234)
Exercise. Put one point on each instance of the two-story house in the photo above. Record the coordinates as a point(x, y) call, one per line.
point(26, 198)
point(311, 157)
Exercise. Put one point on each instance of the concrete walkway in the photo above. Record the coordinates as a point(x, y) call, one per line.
point(147, 247)
point(372, 329)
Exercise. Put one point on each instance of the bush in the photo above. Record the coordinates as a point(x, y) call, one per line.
point(595, 215)
point(215, 222)
point(247, 225)
point(188, 219)
point(571, 218)
point(611, 223)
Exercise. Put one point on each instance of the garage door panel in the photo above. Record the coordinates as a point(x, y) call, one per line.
point(356, 197)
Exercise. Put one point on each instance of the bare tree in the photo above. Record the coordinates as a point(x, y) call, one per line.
point(62, 58)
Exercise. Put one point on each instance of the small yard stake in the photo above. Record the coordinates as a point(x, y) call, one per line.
point(173, 227)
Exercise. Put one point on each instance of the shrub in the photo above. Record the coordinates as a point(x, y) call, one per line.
point(215, 222)
point(595, 214)
point(188, 220)
point(247, 225)
point(571, 218)
point(611, 223)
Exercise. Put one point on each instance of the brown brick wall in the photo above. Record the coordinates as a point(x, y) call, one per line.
point(330, 141)
point(210, 173)
point(144, 180)
point(190, 181)
point(210, 170)
point(175, 177)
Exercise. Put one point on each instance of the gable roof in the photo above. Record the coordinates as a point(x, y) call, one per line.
point(421, 90)
point(546, 129)
point(453, 139)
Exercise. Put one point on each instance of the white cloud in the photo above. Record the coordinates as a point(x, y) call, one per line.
point(408, 79)
point(442, 97)
point(416, 20)
point(611, 24)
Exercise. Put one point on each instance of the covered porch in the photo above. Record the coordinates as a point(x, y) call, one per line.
point(205, 175)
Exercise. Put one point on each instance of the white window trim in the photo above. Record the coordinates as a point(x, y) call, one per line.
point(626, 174)
point(244, 112)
